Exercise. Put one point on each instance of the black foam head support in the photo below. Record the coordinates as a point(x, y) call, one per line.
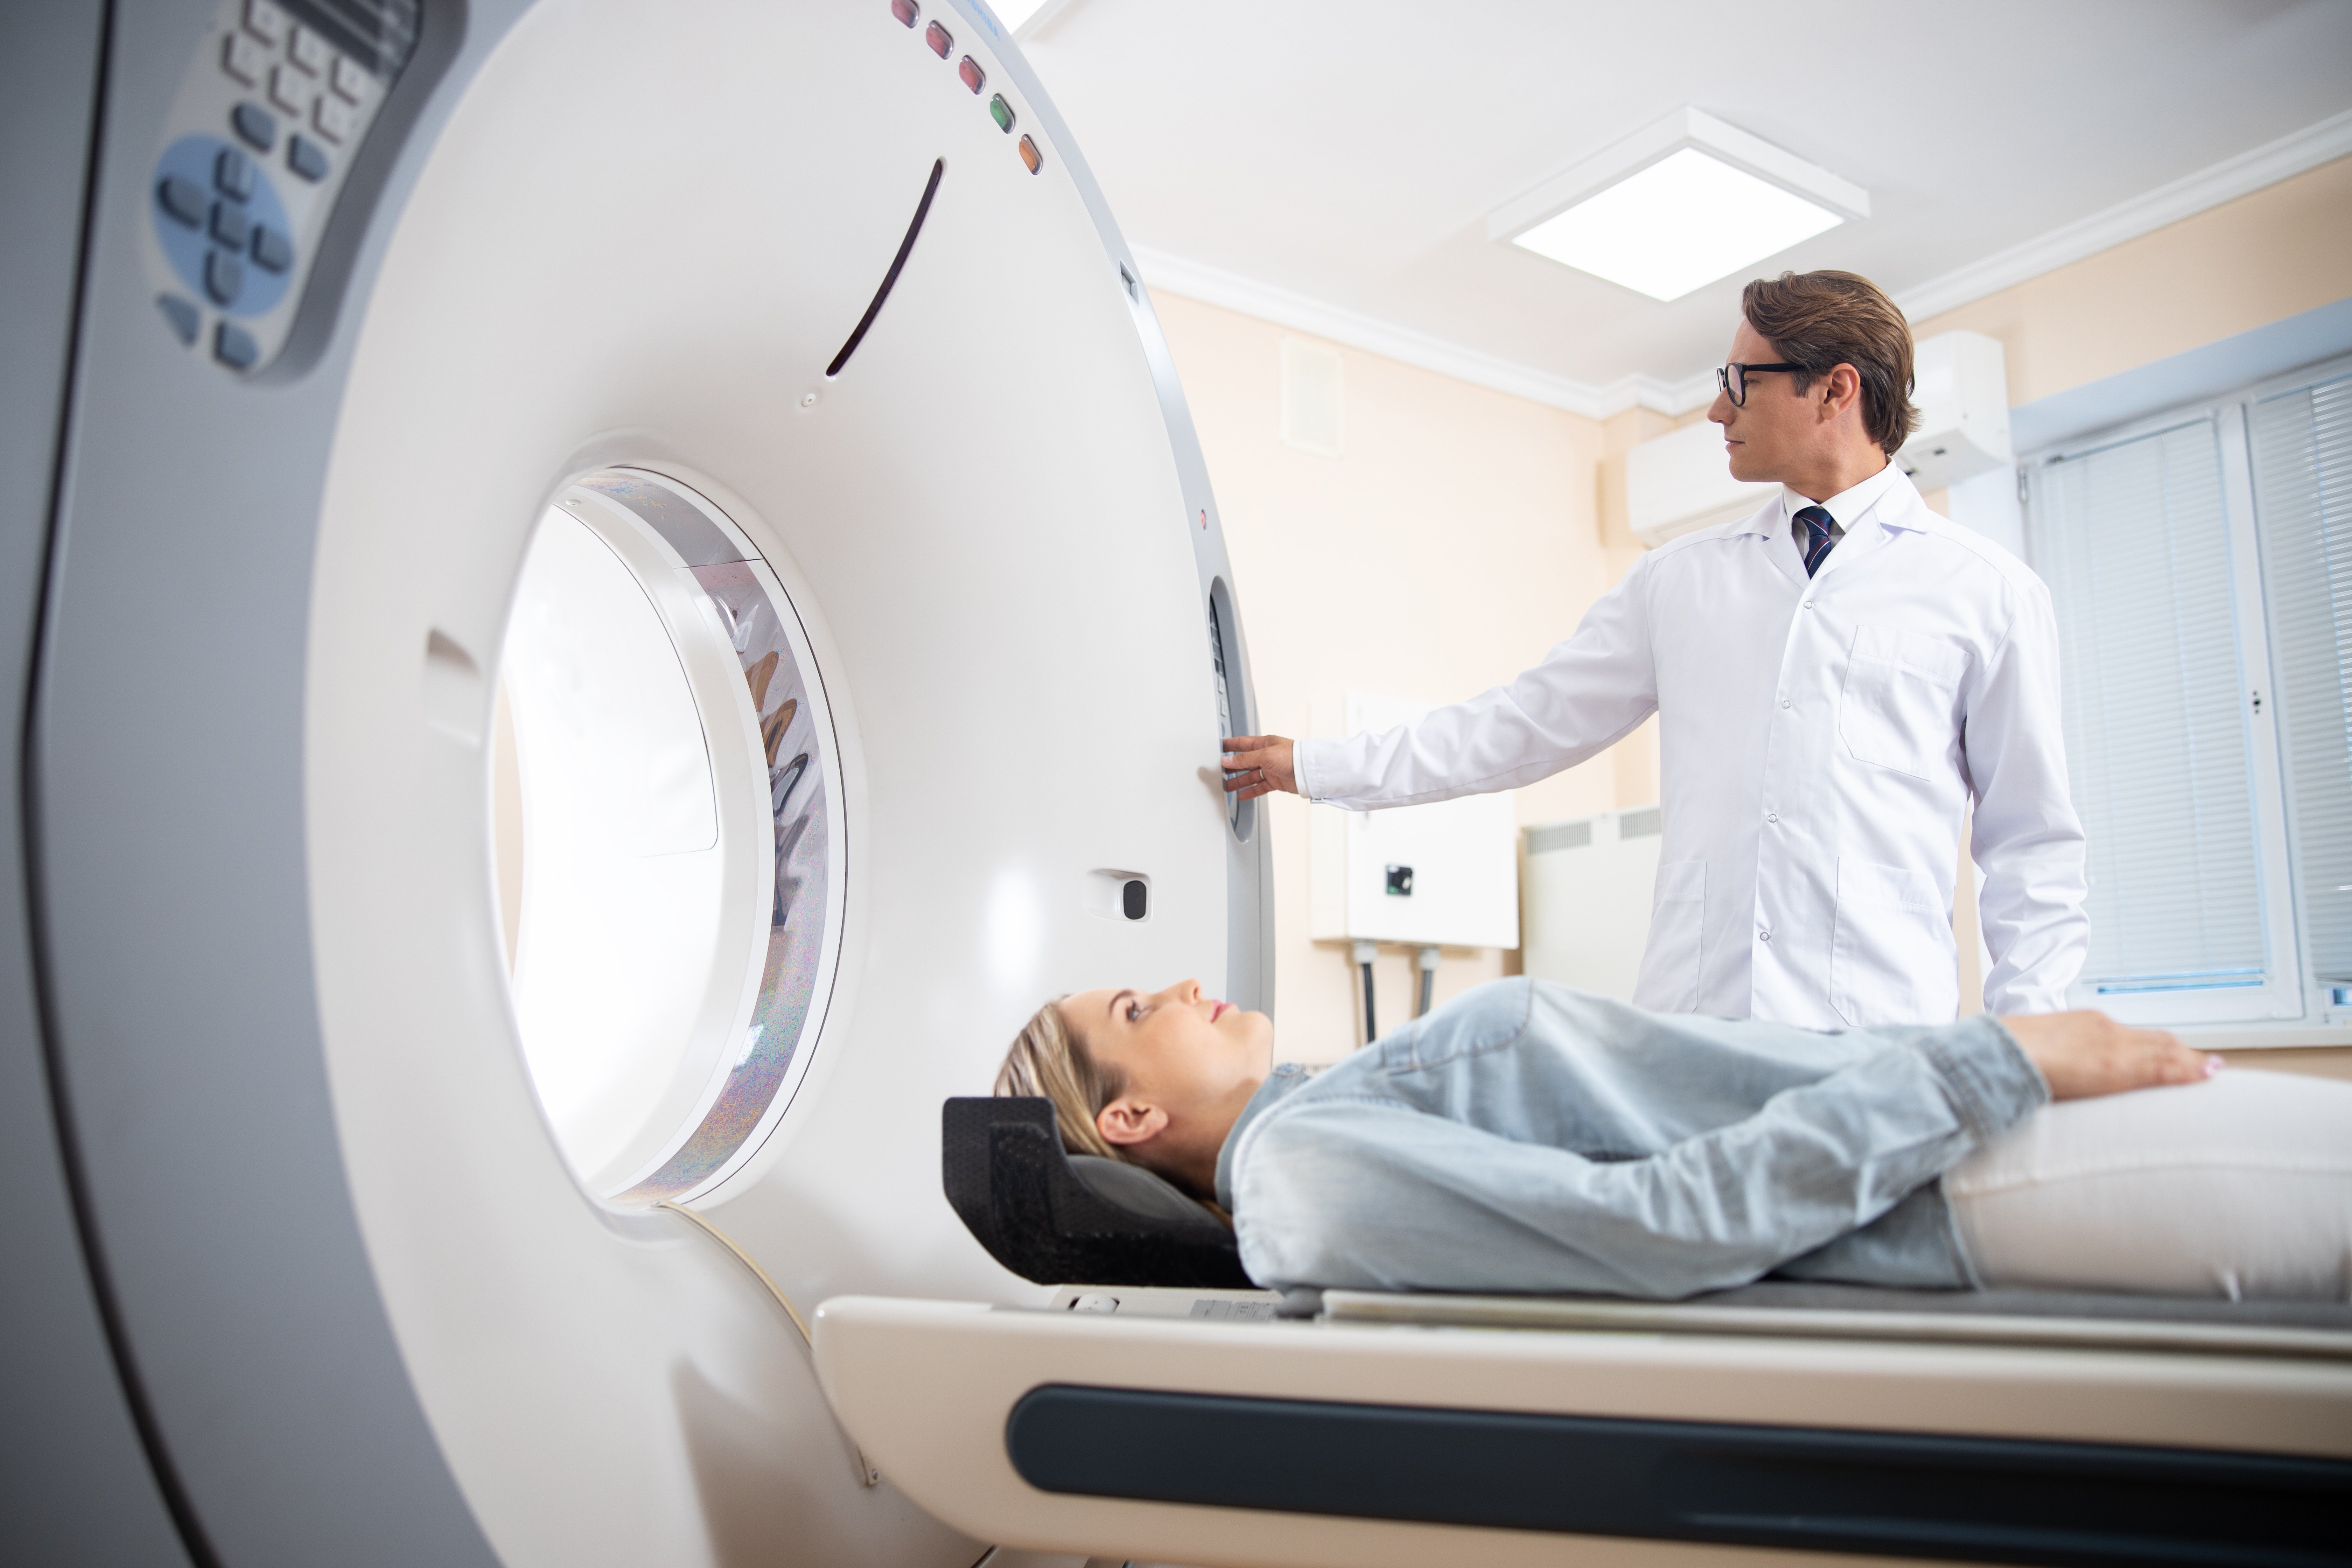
point(1012, 1186)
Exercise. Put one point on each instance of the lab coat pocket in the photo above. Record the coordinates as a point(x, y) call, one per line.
point(1897, 709)
point(1890, 955)
point(1670, 965)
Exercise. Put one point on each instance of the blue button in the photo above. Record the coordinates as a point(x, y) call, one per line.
point(306, 158)
point(189, 247)
point(181, 314)
point(230, 225)
point(235, 347)
point(272, 252)
point(233, 175)
point(255, 124)
point(183, 198)
point(223, 276)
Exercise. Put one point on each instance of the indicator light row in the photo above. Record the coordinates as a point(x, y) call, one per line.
point(942, 44)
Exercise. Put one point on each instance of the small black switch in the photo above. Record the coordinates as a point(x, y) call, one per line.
point(230, 225)
point(272, 252)
point(183, 198)
point(255, 124)
point(306, 158)
point(1134, 899)
point(1400, 881)
point(233, 175)
point(235, 347)
point(224, 277)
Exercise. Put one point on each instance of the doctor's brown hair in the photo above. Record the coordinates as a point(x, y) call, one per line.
point(1823, 319)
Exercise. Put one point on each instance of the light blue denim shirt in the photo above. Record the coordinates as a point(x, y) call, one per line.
point(1528, 1137)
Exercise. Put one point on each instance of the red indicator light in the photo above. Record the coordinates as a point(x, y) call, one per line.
point(971, 73)
point(1031, 156)
point(906, 11)
point(939, 39)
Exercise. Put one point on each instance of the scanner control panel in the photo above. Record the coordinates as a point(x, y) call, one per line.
point(274, 106)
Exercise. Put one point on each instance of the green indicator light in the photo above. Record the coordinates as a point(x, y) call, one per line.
point(1001, 112)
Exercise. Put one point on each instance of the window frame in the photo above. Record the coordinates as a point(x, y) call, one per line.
point(2290, 1008)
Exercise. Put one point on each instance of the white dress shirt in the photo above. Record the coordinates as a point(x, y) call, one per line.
point(1820, 741)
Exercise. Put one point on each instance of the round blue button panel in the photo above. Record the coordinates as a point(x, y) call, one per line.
point(198, 175)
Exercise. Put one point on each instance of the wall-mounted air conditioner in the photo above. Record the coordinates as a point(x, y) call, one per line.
point(1963, 400)
point(1681, 482)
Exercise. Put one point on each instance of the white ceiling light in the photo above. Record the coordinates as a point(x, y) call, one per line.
point(1678, 205)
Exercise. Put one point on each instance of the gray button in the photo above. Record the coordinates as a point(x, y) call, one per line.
point(272, 252)
point(235, 347)
point(223, 276)
point(1784, 702)
point(230, 225)
point(233, 175)
point(1764, 936)
point(183, 315)
point(1771, 816)
point(256, 125)
point(306, 158)
point(1809, 604)
point(183, 198)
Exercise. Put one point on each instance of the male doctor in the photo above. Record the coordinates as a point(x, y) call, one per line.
point(1836, 676)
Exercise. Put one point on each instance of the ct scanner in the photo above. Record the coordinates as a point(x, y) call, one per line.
point(604, 596)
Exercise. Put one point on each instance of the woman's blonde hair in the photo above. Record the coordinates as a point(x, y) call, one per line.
point(1048, 1060)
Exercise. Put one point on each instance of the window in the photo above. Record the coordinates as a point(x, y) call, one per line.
point(2200, 567)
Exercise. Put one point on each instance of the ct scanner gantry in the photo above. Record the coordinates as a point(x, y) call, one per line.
point(804, 324)
point(540, 543)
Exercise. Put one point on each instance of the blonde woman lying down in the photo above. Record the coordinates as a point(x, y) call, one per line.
point(1529, 1137)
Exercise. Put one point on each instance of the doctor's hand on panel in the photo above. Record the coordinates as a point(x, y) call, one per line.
point(1258, 764)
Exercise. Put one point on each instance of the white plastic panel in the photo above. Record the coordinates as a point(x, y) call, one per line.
point(982, 526)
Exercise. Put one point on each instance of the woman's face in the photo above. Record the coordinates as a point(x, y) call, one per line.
point(1193, 1055)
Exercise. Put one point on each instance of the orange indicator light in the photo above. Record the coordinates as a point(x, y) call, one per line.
point(1031, 156)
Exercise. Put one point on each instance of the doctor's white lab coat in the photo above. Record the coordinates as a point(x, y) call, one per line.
point(1820, 740)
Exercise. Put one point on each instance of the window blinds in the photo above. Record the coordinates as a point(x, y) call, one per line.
point(2133, 539)
point(2301, 443)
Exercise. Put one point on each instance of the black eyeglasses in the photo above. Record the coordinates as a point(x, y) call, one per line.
point(1733, 379)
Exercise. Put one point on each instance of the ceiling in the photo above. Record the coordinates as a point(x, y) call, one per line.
point(1347, 156)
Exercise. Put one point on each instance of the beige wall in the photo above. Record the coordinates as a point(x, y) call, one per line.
point(1455, 540)
point(1465, 531)
point(2280, 251)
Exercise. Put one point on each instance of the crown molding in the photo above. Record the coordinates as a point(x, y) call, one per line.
point(1233, 291)
point(2226, 180)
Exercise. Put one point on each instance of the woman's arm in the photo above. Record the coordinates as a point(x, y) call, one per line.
point(1373, 1193)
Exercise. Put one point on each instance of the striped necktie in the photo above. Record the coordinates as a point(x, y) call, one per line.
point(1816, 522)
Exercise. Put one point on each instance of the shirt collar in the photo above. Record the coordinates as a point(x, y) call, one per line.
point(1849, 506)
point(1283, 1081)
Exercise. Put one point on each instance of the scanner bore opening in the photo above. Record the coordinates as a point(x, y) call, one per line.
point(666, 810)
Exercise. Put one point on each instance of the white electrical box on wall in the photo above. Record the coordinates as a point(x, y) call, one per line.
point(1443, 875)
point(1962, 394)
point(1588, 888)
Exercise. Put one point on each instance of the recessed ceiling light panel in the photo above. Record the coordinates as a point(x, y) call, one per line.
point(1687, 220)
point(1684, 201)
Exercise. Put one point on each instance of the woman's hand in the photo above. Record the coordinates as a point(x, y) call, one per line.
point(2086, 1054)
point(1258, 764)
